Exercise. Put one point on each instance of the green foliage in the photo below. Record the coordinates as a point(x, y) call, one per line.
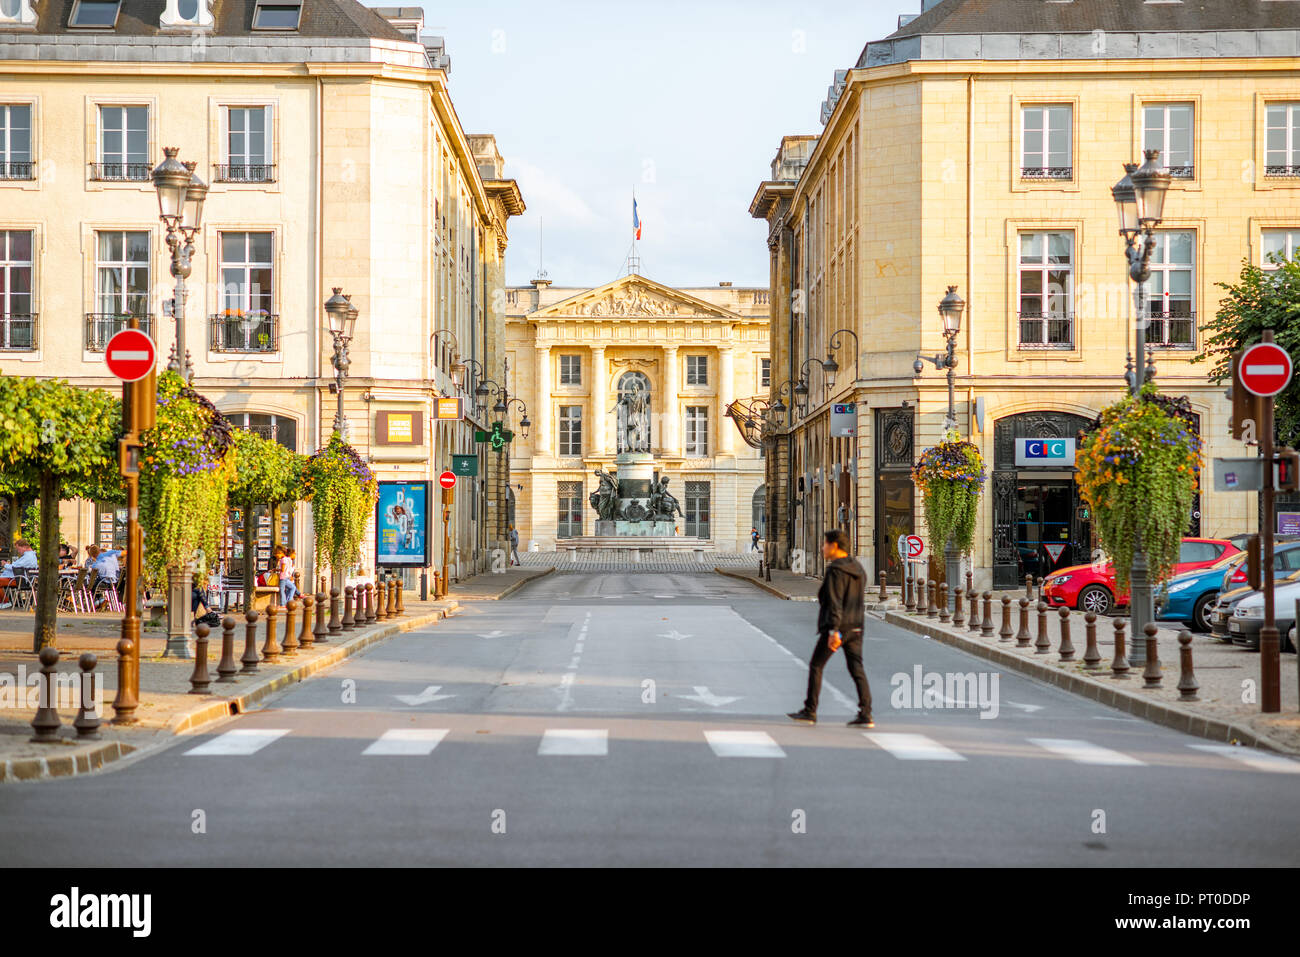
point(1138, 471)
point(48, 425)
point(1260, 299)
point(31, 526)
point(342, 491)
point(950, 476)
point(266, 473)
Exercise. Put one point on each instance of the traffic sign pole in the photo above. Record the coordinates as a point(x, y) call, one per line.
point(1270, 657)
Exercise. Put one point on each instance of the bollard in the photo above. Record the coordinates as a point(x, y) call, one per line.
point(1066, 647)
point(909, 591)
point(290, 646)
point(306, 637)
point(767, 573)
point(199, 679)
point(335, 625)
point(959, 609)
point(1005, 633)
point(1091, 655)
point(392, 597)
point(931, 608)
point(348, 621)
point(125, 703)
point(45, 723)
point(319, 633)
point(401, 590)
point(87, 720)
point(1038, 584)
point(1022, 636)
point(1187, 683)
point(986, 625)
point(970, 581)
point(944, 615)
point(375, 598)
point(271, 649)
point(226, 668)
point(1042, 644)
point(1119, 664)
point(973, 597)
point(883, 595)
point(1029, 587)
point(1151, 674)
point(250, 657)
point(371, 616)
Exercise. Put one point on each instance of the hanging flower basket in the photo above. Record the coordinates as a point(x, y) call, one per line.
point(950, 477)
point(342, 490)
point(1139, 471)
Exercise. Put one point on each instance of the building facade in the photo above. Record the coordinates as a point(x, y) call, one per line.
point(571, 351)
point(335, 159)
point(976, 147)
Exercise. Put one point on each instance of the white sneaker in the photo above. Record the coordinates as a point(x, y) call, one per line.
point(7, 604)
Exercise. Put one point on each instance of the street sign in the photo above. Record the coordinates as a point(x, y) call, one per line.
point(1238, 475)
point(911, 548)
point(1054, 550)
point(130, 355)
point(844, 419)
point(451, 407)
point(1045, 452)
point(465, 465)
point(1265, 369)
point(447, 479)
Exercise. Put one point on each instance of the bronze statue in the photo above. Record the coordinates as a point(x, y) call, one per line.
point(605, 498)
point(663, 505)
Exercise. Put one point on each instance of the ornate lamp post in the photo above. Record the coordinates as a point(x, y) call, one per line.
point(342, 317)
point(1140, 202)
point(830, 367)
point(181, 194)
point(801, 387)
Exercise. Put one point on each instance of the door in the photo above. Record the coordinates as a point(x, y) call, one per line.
point(1044, 526)
point(893, 518)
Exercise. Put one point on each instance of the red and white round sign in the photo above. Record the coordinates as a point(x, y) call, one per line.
point(915, 547)
point(1265, 369)
point(447, 479)
point(130, 355)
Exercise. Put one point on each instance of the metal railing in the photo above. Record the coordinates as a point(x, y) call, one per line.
point(245, 172)
point(120, 172)
point(1172, 331)
point(1046, 331)
point(250, 332)
point(1047, 172)
point(17, 169)
point(102, 326)
point(1182, 172)
point(18, 332)
point(1281, 172)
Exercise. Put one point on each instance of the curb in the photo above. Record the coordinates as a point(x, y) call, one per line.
point(1202, 726)
point(33, 769)
point(510, 590)
point(765, 586)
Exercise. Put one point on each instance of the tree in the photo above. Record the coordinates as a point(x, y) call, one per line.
point(1260, 299)
point(58, 441)
point(266, 473)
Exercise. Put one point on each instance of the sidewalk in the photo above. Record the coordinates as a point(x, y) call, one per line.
point(491, 586)
point(166, 706)
point(784, 584)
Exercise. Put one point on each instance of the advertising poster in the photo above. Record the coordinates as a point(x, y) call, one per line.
point(402, 524)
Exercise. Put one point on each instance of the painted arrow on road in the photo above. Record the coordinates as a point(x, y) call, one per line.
point(424, 697)
point(492, 634)
point(675, 635)
point(704, 696)
point(1031, 708)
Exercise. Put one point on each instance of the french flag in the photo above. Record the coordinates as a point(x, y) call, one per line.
point(636, 220)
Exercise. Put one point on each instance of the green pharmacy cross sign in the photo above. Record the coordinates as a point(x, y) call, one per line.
point(497, 438)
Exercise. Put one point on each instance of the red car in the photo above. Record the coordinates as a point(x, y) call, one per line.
point(1092, 588)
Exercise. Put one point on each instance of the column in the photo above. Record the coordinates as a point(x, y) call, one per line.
point(726, 395)
point(670, 416)
point(542, 374)
point(599, 398)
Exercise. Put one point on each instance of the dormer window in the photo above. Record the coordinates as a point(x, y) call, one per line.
point(95, 14)
point(276, 16)
point(17, 12)
point(187, 14)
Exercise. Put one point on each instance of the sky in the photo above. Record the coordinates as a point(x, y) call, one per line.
point(683, 102)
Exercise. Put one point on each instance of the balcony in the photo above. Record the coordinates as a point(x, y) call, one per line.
point(1047, 172)
point(102, 326)
point(18, 332)
point(1282, 172)
point(1182, 172)
point(250, 332)
point(1172, 331)
point(120, 172)
point(245, 173)
point(1039, 331)
point(17, 169)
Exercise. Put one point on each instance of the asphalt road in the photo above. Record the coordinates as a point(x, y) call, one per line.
point(639, 719)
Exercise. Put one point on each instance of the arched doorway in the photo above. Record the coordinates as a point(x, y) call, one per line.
point(758, 511)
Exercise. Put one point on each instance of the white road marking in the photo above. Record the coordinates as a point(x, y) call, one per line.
point(566, 680)
point(743, 744)
point(243, 741)
point(675, 635)
point(1252, 757)
point(912, 747)
point(493, 634)
point(570, 741)
point(704, 696)
point(407, 741)
point(1082, 752)
point(1031, 708)
point(835, 692)
point(426, 696)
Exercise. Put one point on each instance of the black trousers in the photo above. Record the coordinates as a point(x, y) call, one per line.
point(852, 650)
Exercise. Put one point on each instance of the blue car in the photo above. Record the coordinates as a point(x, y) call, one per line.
point(1190, 597)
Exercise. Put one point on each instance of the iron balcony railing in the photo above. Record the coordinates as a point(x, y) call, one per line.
point(17, 169)
point(102, 326)
point(247, 332)
point(1046, 331)
point(245, 172)
point(18, 332)
point(1281, 172)
point(1047, 172)
point(120, 172)
point(1175, 331)
point(1183, 172)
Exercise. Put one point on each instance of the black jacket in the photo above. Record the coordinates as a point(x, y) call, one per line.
point(841, 597)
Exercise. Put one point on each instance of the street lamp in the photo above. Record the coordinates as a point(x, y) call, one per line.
point(830, 367)
point(181, 194)
point(342, 316)
point(951, 308)
point(1140, 202)
point(801, 387)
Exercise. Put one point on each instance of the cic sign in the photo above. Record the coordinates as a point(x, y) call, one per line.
point(1045, 453)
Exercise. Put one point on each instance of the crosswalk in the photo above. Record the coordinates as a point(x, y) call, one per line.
point(740, 743)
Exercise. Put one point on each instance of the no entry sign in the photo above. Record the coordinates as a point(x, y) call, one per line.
point(130, 355)
point(910, 547)
point(1265, 369)
point(447, 479)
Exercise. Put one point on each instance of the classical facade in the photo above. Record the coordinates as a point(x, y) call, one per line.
point(687, 353)
point(335, 159)
point(976, 147)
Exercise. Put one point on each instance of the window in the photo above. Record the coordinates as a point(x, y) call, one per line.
point(697, 430)
point(696, 510)
point(101, 14)
point(1199, 552)
point(570, 370)
point(121, 285)
point(765, 373)
point(697, 370)
point(248, 146)
point(1282, 243)
point(246, 322)
point(15, 141)
point(1170, 303)
point(1282, 140)
point(569, 498)
point(277, 428)
point(123, 143)
point(18, 333)
point(1045, 142)
point(276, 16)
point(570, 430)
point(1167, 127)
point(17, 11)
point(1046, 290)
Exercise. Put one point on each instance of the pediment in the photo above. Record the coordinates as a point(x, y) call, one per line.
point(634, 297)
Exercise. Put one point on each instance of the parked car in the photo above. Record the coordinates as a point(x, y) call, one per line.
point(1092, 588)
point(1286, 565)
point(1286, 559)
point(1248, 616)
point(1190, 597)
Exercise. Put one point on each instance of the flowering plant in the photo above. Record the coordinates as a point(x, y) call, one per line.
point(950, 477)
point(1139, 470)
point(342, 490)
